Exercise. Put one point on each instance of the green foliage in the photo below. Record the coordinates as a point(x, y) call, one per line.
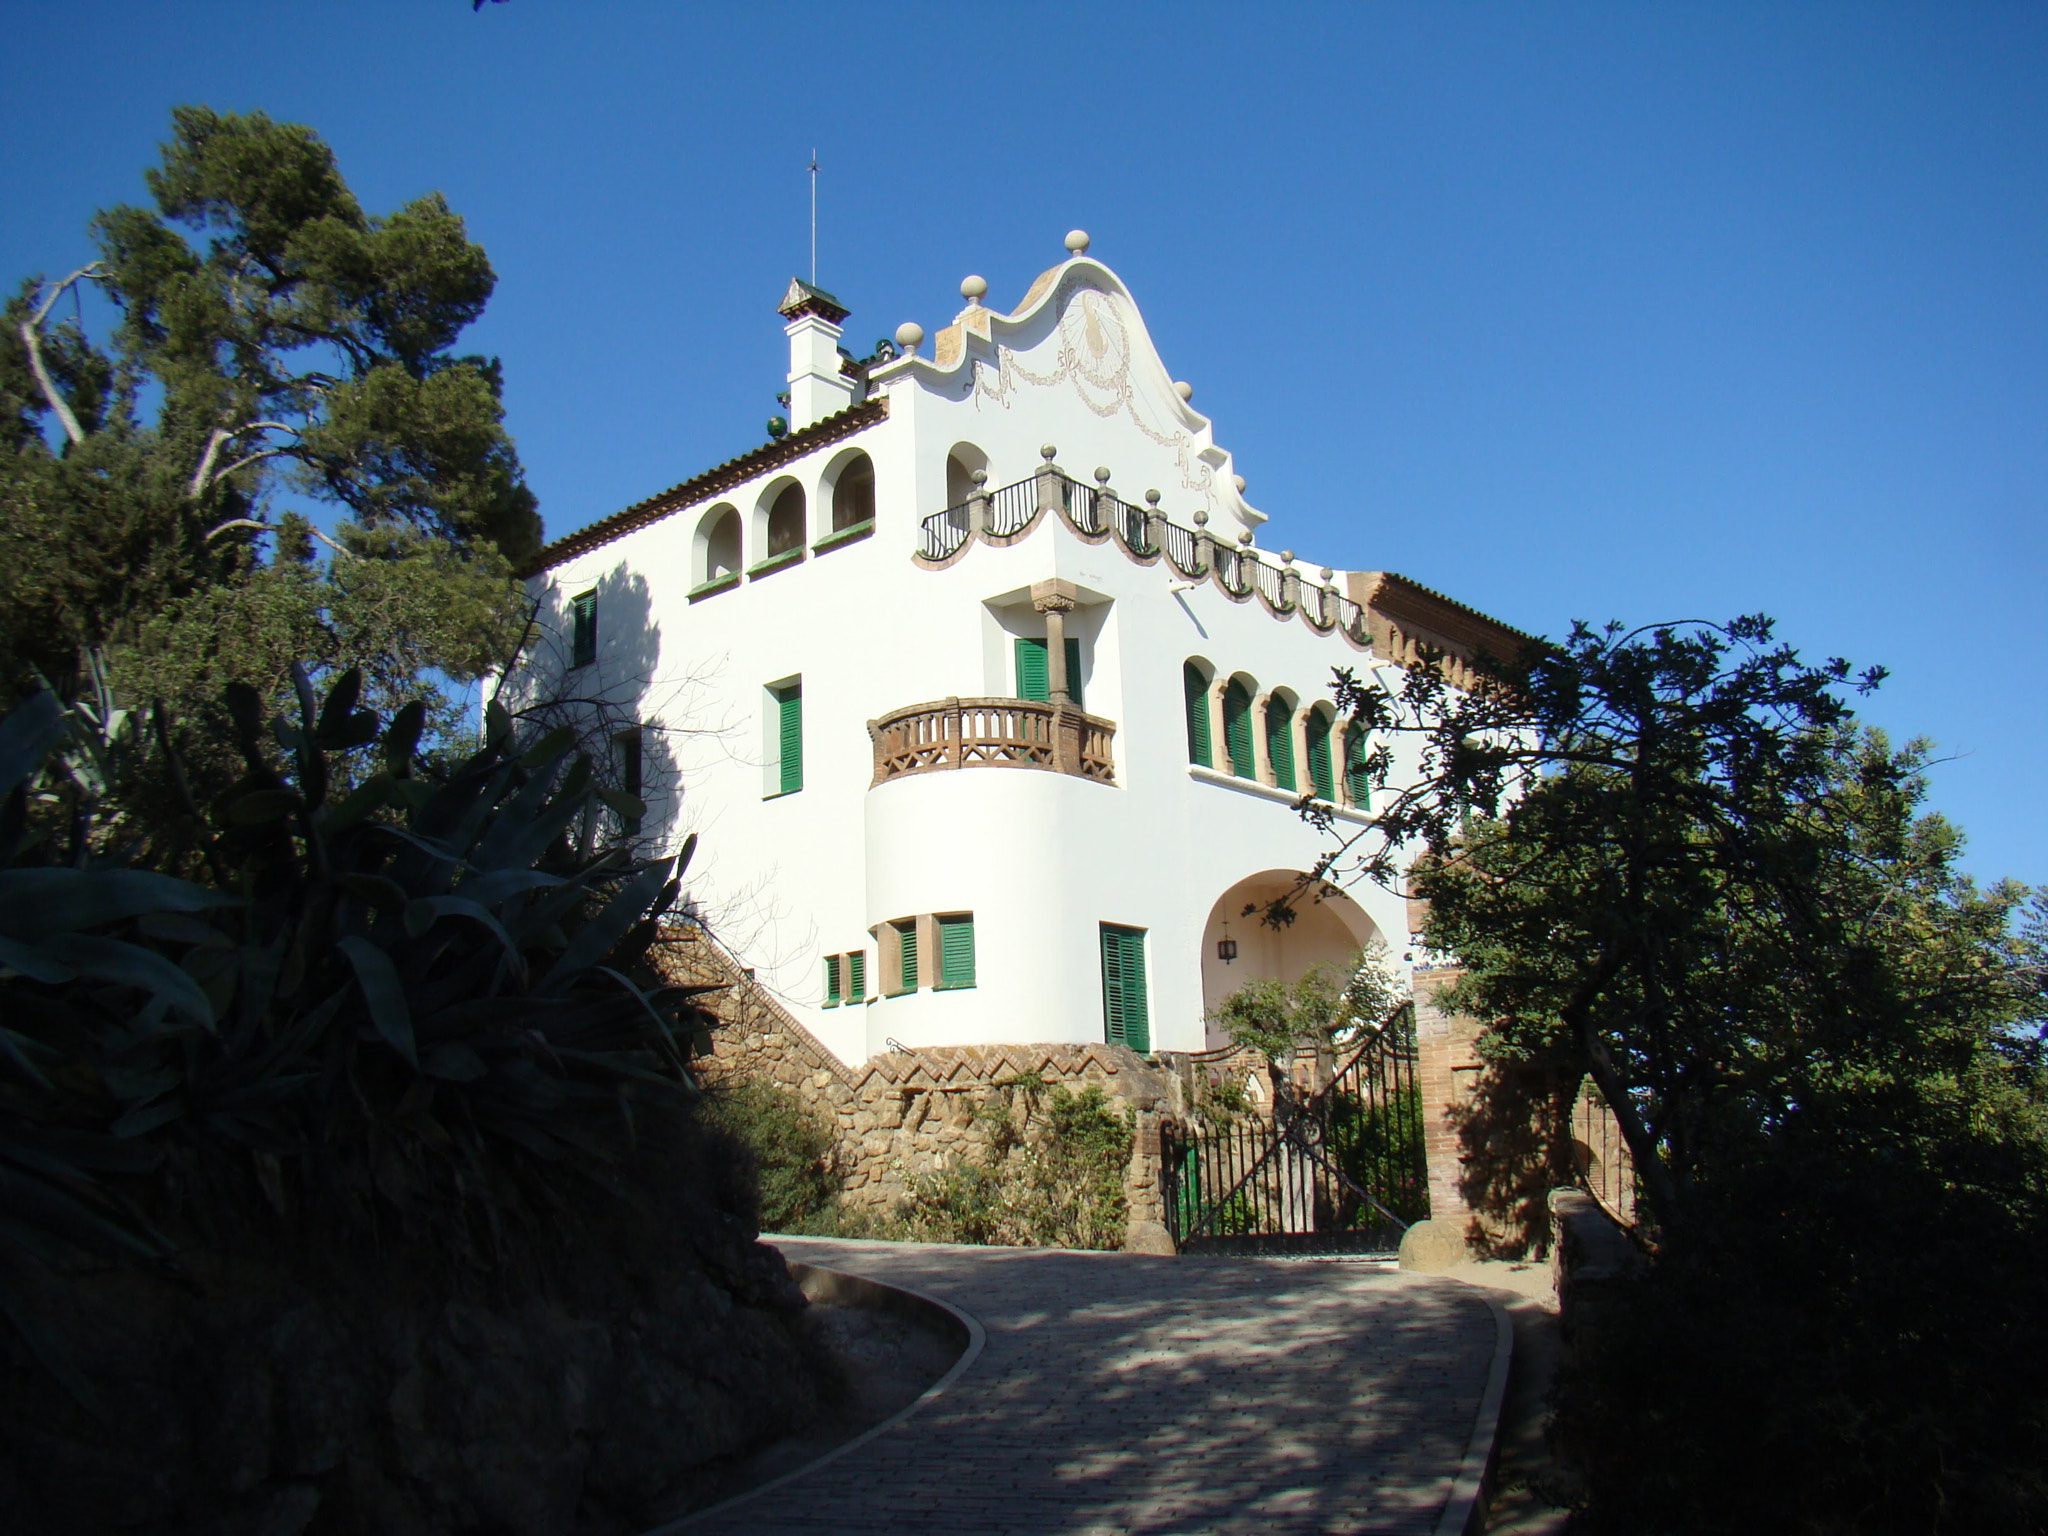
point(403, 1011)
point(1325, 1006)
point(790, 1145)
point(1222, 1101)
point(1379, 1145)
point(1668, 861)
point(278, 347)
point(1056, 1183)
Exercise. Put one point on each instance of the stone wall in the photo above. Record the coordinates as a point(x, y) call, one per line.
point(903, 1115)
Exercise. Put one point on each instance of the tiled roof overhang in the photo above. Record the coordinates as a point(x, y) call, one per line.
point(1415, 607)
point(723, 477)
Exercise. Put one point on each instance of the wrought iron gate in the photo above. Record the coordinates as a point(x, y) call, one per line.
point(1339, 1170)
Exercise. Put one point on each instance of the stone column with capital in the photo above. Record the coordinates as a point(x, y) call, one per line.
point(1056, 599)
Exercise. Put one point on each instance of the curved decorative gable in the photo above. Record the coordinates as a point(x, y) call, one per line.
point(1079, 329)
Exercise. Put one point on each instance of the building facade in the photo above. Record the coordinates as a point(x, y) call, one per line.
point(980, 685)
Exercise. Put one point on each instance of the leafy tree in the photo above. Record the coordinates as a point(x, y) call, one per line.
point(277, 347)
point(1668, 860)
point(1324, 1006)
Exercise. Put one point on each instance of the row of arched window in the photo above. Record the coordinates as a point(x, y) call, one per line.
point(780, 527)
point(1272, 737)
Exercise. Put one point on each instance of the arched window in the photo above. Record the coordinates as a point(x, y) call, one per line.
point(1357, 780)
point(1194, 687)
point(786, 521)
point(853, 494)
point(718, 545)
point(961, 463)
point(1280, 740)
point(1322, 774)
point(1237, 729)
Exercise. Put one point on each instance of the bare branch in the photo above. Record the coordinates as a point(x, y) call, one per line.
point(250, 522)
point(236, 522)
point(204, 475)
point(204, 472)
point(32, 338)
point(248, 459)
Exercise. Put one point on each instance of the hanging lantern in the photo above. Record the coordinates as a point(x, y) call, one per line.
point(1226, 947)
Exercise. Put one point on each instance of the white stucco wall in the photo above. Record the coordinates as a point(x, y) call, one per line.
point(1040, 858)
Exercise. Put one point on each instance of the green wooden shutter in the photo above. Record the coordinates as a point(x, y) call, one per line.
point(1357, 782)
point(1124, 1020)
point(1033, 682)
point(906, 943)
point(1194, 689)
point(857, 976)
point(832, 980)
point(789, 708)
point(584, 607)
point(1319, 773)
point(1034, 675)
point(1237, 730)
point(956, 951)
point(1280, 742)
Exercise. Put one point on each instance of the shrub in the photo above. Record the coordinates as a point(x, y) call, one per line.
point(790, 1145)
point(410, 1011)
point(1059, 1183)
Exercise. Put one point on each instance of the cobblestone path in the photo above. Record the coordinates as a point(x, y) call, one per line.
point(1118, 1393)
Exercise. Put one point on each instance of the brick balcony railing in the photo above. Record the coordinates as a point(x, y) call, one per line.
point(992, 733)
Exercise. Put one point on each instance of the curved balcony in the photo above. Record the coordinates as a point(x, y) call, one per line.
point(992, 733)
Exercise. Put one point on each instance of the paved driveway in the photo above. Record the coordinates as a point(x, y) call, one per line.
point(1118, 1393)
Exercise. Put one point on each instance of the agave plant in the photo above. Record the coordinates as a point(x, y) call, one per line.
point(404, 1003)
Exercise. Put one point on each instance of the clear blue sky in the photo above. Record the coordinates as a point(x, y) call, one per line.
point(1573, 311)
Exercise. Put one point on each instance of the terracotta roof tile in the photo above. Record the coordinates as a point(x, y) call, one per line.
point(721, 477)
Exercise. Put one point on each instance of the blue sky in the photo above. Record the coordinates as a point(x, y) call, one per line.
point(1572, 311)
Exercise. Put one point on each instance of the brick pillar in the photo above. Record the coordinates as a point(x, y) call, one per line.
point(1446, 1067)
point(1145, 1228)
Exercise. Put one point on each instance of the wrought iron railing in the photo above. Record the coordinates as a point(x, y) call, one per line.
point(1095, 510)
point(1178, 545)
point(1011, 509)
point(1272, 584)
point(1338, 1170)
point(1602, 1155)
point(943, 532)
point(992, 733)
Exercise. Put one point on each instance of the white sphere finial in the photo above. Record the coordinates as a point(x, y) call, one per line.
point(972, 288)
point(1184, 389)
point(908, 335)
point(1238, 480)
point(1077, 241)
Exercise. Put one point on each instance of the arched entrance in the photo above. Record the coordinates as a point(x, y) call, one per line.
point(1328, 928)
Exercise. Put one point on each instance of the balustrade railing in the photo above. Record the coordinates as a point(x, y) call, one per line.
point(992, 733)
point(1094, 510)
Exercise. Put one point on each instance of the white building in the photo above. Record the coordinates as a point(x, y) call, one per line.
point(981, 687)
